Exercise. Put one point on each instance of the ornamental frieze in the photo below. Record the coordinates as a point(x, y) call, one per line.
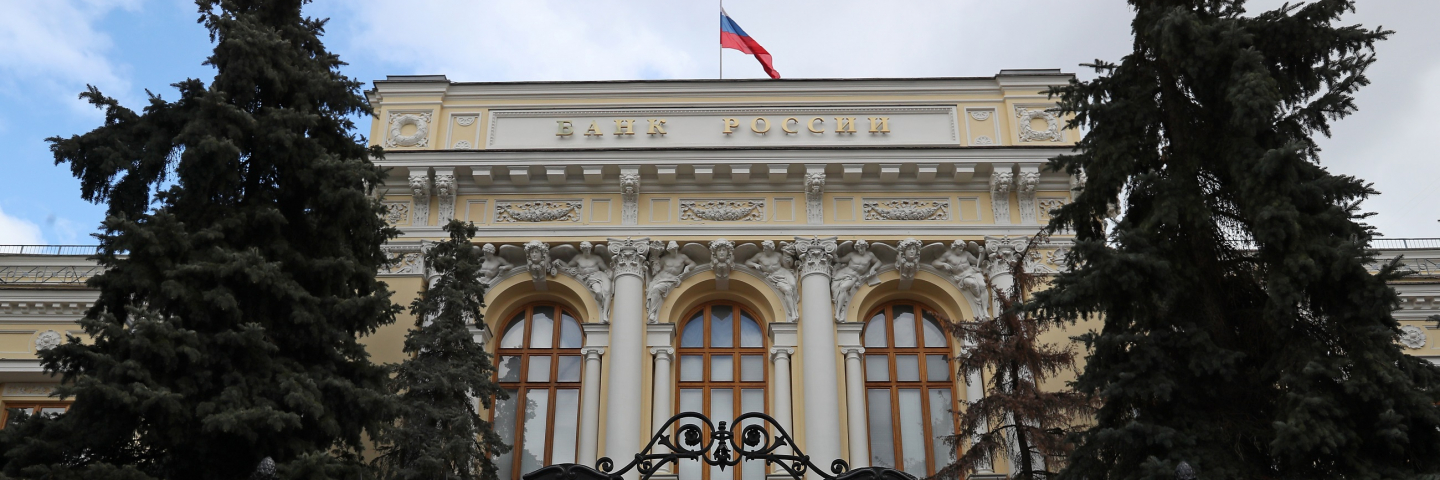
point(906, 209)
point(538, 211)
point(736, 210)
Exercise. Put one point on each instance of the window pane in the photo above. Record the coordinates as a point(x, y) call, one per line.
point(752, 368)
point(567, 421)
point(532, 456)
point(904, 326)
point(882, 438)
point(907, 368)
point(570, 336)
point(52, 411)
point(693, 335)
point(509, 369)
point(722, 409)
point(875, 331)
point(722, 368)
point(691, 400)
point(750, 335)
point(752, 400)
point(934, 337)
point(505, 426)
point(513, 337)
point(936, 368)
point(14, 415)
point(568, 369)
point(912, 432)
point(539, 370)
point(692, 369)
point(722, 326)
point(542, 327)
point(877, 368)
point(942, 424)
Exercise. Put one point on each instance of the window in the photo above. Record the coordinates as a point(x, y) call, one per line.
point(908, 389)
point(722, 374)
point(14, 412)
point(539, 368)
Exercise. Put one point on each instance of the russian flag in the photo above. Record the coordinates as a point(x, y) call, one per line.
point(732, 36)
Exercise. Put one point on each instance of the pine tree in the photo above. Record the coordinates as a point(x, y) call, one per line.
point(440, 434)
point(241, 249)
point(1017, 419)
point(1242, 332)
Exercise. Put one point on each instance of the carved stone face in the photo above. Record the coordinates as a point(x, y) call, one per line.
point(585, 247)
point(672, 247)
point(768, 246)
point(861, 246)
point(489, 249)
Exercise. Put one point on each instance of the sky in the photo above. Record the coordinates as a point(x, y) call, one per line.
point(50, 50)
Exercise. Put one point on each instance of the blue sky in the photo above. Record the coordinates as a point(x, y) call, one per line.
point(49, 51)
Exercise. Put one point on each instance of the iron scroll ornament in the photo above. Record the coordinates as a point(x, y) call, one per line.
point(723, 448)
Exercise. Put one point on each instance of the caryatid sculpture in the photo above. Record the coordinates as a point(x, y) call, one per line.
point(779, 270)
point(665, 273)
point(591, 270)
point(492, 266)
point(962, 263)
point(847, 274)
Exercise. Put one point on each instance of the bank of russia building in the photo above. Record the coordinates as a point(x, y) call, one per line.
point(665, 246)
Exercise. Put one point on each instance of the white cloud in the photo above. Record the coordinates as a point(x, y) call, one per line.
point(17, 231)
point(54, 47)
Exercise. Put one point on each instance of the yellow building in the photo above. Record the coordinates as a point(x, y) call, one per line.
point(788, 247)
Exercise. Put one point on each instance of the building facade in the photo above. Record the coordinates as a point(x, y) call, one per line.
point(788, 247)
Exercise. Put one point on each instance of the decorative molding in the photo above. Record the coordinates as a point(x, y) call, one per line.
point(463, 144)
point(29, 389)
point(815, 255)
point(1025, 186)
point(1412, 336)
point(1000, 183)
point(814, 196)
point(907, 261)
point(1029, 134)
point(48, 275)
point(1046, 205)
point(630, 198)
point(466, 121)
point(396, 213)
point(627, 257)
point(538, 211)
point(722, 261)
point(420, 197)
point(47, 340)
point(405, 260)
point(445, 195)
point(398, 121)
point(1057, 257)
point(907, 209)
point(1000, 252)
point(984, 140)
point(1077, 183)
point(980, 115)
point(537, 261)
point(726, 210)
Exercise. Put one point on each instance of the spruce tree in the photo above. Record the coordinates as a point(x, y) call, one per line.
point(1242, 333)
point(1016, 419)
point(240, 249)
point(440, 433)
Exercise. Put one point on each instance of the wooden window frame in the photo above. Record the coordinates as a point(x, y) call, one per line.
point(924, 385)
point(524, 385)
point(736, 385)
point(33, 406)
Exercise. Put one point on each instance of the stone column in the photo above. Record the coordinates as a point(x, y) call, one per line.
point(850, 345)
point(660, 337)
point(627, 359)
point(817, 350)
point(783, 338)
point(597, 337)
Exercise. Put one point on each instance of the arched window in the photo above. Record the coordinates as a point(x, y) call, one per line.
point(722, 374)
point(908, 389)
point(539, 367)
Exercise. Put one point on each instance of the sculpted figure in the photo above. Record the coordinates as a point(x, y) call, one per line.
point(778, 268)
point(592, 270)
point(848, 272)
point(962, 263)
point(493, 266)
point(665, 273)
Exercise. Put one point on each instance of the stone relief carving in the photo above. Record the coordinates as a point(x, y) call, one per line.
point(1001, 252)
point(849, 271)
point(1412, 336)
point(420, 197)
point(907, 261)
point(723, 210)
point(1029, 134)
point(1025, 186)
point(980, 115)
point(538, 211)
point(665, 272)
point(814, 195)
point(537, 261)
point(1077, 183)
point(629, 198)
point(1058, 258)
point(1048, 205)
point(493, 266)
point(906, 209)
point(592, 270)
point(815, 255)
point(398, 122)
point(465, 121)
point(961, 262)
point(404, 260)
point(397, 213)
point(29, 389)
point(984, 140)
point(778, 269)
point(627, 257)
point(47, 340)
point(722, 261)
point(1000, 183)
point(463, 144)
point(445, 195)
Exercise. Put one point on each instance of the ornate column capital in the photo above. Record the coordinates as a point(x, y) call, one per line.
point(592, 353)
point(665, 353)
point(627, 257)
point(777, 353)
point(852, 351)
point(815, 255)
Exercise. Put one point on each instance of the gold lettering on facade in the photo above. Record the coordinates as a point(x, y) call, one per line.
point(594, 130)
point(846, 125)
point(657, 126)
point(811, 125)
point(755, 125)
point(565, 128)
point(883, 126)
point(625, 127)
point(729, 124)
point(785, 126)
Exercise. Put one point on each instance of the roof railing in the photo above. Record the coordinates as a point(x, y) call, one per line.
point(55, 250)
